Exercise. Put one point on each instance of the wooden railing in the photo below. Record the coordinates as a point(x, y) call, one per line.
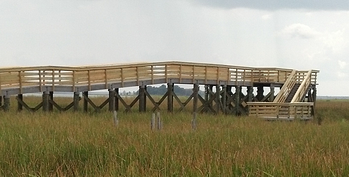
point(73, 77)
point(301, 110)
point(286, 88)
point(280, 109)
point(303, 88)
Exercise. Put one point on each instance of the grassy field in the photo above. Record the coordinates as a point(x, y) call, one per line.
point(89, 144)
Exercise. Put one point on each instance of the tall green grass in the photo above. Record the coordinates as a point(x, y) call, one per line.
point(89, 144)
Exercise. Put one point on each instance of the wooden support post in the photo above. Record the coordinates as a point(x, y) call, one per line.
point(224, 99)
point(145, 98)
point(205, 105)
point(50, 105)
point(116, 92)
point(249, 93)
point(237, 100)
point(19, 105)
point(272, 93)
point(76, 100)
point(170, 97)
point(218, 98)
point(111, 100)
point(142, 99)
point(210, 104)
point(260, 93)
point(206, 93)
point(6, 105)
point(314, 100)
point(85, 95)
point(310, 96)
point(46, 101)
point(195, 97)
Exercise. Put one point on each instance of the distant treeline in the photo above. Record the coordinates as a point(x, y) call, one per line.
point(163, 89)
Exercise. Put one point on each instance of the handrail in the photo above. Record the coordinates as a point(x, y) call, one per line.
point(302, 88)
point(55, 76)
point(286, 88)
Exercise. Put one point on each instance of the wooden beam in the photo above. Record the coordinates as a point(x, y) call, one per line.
point(170, 90)
point(19, 105)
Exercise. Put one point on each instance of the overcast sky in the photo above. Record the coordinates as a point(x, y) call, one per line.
point(299, 34)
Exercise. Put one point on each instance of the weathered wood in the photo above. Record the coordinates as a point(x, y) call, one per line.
point(95, 107)
point(206, 105)
point(218, 99)
point(224, 99)
point(272, 93)
point(142, 98)
point(19, 105)
point(20, 80)
point(116, 99)
point(111, 100)
point(76, 100)
point(46, 101)
point(50, 106)
point(170, 97)
point(260, 93)
point(237, 100)
point(85, 96)
point(20, 101)
point(195, 98)
point(127, 107)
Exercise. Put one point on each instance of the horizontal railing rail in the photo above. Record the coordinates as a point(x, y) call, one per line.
point(301, 110)
point(55, 76)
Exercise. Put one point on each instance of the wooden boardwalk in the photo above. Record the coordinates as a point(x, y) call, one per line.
point(22, 80)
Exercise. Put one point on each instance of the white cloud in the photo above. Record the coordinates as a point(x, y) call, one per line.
point(267, 16)
point(335, 41)
point(341, 74)
point(342, 64)
point(298, 30)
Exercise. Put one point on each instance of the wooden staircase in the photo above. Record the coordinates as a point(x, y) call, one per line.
point(288, 104)
point(292, 93)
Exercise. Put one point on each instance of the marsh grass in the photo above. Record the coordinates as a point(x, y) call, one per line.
point(89, 144)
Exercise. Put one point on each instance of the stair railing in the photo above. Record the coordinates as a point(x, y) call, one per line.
point(286, 88)
point(302, 88)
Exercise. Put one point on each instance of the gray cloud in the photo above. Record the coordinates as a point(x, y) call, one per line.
point(277, 4)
